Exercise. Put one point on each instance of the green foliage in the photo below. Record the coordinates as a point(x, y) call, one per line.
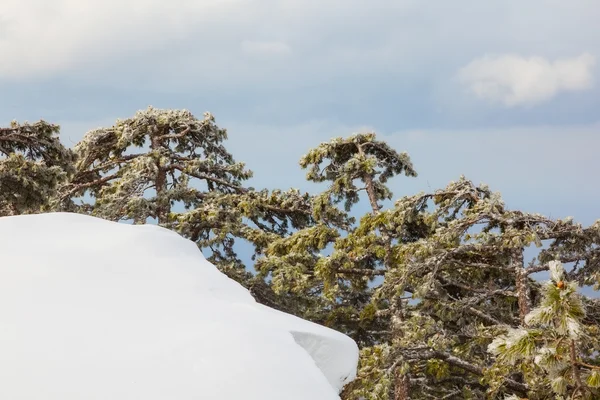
point(554, 348)
point(450, 278)
point(435, 289)
point(171, 167)
point(138, 168)
point(374, 381)
point(298, 264)
point(33, 166)
point(357, 158)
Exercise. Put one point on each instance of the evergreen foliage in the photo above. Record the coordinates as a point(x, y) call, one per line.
point(33, 166)
point(138, 168)
point(557, 349)
point(426, 285)
point(435, 288)
point(170, 167)
point(297, 263)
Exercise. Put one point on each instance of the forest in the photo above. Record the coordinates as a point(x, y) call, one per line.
point(449, 294)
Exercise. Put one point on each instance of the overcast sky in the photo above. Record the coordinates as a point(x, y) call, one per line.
point(504, 92)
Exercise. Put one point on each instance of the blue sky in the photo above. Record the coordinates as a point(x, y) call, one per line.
point(504, 92)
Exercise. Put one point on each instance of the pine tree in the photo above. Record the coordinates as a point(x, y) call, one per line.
point(357, 159)
point(466, 281)
point(435, 289)
point(171, 168)
point(557, 349)
point(33, 166)
point(425, 285)
point(141, 166)
point(296, 264)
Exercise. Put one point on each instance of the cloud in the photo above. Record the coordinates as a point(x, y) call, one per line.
point(281, 61)
point(516, 81)
point(43, 38)
point(169, 43)
point(265, 48)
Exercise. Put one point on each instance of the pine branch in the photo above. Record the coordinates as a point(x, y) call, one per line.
point(205, 177)
point(174, 135)
point(427, 353)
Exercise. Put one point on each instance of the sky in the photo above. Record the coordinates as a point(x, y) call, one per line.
point(503, 92)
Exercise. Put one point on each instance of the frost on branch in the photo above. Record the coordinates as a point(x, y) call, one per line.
point(557, 351)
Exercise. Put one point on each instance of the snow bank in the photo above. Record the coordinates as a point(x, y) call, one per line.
point(91, 309)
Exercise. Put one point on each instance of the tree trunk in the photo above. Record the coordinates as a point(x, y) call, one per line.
point(401, 381)
point(401, 386)
point(371, 192)
point(162, 210)
point(575, 367)
point(369, 185)
point(522, 284)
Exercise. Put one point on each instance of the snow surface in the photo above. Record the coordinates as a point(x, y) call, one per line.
point(91, 309)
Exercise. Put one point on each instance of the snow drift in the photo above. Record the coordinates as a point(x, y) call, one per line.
point(91, 309)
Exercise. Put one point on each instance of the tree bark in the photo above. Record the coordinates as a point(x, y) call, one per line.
point(401, 386)
point(162, 210)
point(522, 284)
point(371, 192)
point(467, 366)
point(575, 367)
point(369, 185)
point(401, 381)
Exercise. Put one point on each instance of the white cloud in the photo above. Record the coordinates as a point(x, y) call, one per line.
point(42, 38)
point(514, 80)
point(183, 45)
point(265, 48)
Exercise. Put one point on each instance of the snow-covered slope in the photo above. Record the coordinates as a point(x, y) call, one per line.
point(91, 309)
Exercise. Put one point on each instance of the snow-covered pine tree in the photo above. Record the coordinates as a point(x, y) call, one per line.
point(346, 278)
point(172, 168)
point(557, 351)
point(461, 285)
point(140, 167)
point(426, 285)
point(33, 166)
